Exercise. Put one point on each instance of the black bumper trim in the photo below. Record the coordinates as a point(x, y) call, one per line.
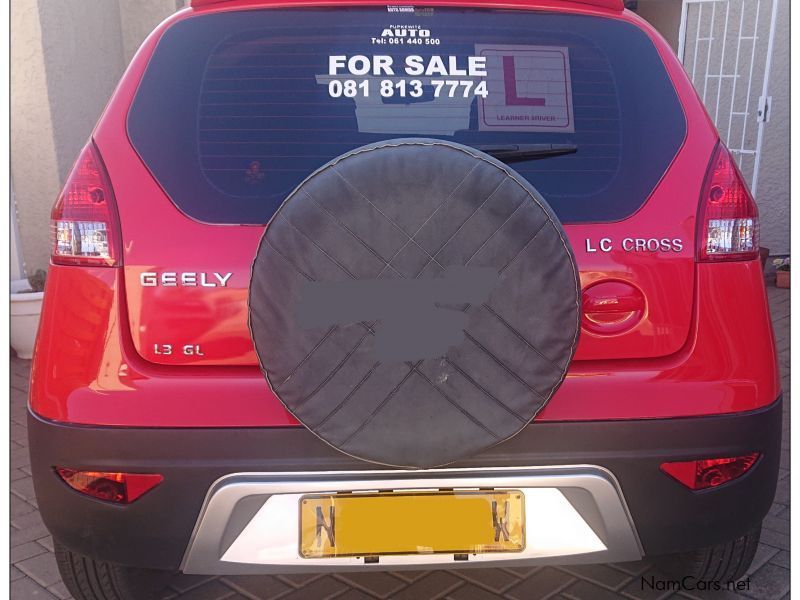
point(154, 531)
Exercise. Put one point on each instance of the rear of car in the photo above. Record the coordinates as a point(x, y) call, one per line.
point(156, 441)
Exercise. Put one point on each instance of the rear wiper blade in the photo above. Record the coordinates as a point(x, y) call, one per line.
point(515, 152)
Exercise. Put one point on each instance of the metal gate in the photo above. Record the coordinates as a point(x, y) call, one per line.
point(726, 48)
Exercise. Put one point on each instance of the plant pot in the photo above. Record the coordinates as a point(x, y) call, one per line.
point(782, 279)
point(25, 308)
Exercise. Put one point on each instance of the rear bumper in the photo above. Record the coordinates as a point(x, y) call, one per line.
point(155, 531)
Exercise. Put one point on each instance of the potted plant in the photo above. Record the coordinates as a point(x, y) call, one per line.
point(781, 272)
point(26, 306)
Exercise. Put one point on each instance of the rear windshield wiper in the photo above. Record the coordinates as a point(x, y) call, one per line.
point(516, 152)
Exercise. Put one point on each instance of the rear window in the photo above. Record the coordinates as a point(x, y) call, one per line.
point(236, 108)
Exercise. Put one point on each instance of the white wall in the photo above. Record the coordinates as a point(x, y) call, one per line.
point(34, 168)
point(664, 15)
point(16, 267)
point(774, 185)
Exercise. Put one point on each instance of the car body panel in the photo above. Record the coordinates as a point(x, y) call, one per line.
point(216, 317)
point(86, 369)
point(684, 358)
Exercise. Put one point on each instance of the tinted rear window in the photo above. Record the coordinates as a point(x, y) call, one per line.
point(235, 109)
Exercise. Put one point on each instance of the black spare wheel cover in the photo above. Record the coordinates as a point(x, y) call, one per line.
point(414, 302)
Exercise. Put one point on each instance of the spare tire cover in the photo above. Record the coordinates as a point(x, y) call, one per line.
point(414, 302)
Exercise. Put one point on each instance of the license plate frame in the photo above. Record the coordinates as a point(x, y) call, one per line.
point(459, 522)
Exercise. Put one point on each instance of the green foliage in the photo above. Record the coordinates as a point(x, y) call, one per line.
point(781, 264)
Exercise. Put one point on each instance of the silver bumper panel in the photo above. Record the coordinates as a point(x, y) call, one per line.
point(249, 521)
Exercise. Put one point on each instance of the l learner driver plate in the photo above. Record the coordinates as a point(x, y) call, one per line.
point(452, 522)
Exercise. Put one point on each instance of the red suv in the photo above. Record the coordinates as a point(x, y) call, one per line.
point(356, 286)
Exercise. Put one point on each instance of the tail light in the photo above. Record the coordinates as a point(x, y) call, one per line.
point(122, 488)
point(709, 472)
point(83, 223)
point(728, 216)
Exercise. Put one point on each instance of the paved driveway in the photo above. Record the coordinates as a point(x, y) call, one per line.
point(34, 573)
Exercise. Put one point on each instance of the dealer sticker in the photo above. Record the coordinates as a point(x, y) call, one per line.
point(529, 89)
point(398, 87)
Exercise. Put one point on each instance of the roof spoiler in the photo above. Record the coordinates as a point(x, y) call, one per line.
point(614, 5)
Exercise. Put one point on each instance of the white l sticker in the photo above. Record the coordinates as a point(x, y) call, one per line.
point(530, 89)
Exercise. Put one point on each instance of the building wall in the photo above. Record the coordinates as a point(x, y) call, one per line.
point(66, 59)
point(138, 18)
point(774, 186)
point(34, 170)
point(15, 265)
point(81, 69)
point(664, 15)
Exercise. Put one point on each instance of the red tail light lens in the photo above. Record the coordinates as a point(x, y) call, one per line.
point(728, 216)
point(709, 472)
point(122, 488)
point(83, 222)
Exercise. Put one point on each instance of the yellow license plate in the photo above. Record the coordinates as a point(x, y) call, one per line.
point(455, 522)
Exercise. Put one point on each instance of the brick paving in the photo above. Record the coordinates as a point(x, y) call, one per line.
point(34, 573)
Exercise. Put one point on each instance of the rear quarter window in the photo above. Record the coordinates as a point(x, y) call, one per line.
point(236, 108)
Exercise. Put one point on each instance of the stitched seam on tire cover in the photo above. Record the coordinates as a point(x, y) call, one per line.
point(499, 318)
point(383, 214)
point(345, 228)
point(504, 322)
point(486, 392)
point(497, 230)
point(299, 403)
point(547, 214)
point(351, 393)
point(455, 404)
point(522, 337)
point(388, 397)
point(386, 401)
point(460, 227)
point(432, 258)
point(549, 217)
point(502, 364)
point(519, 336)
point(403, 231)
point(318, 247)
point(387, 264)
point(319, 343)
point(410, 238)
point(369, 329)
point(436, 210)
point(341, 363)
